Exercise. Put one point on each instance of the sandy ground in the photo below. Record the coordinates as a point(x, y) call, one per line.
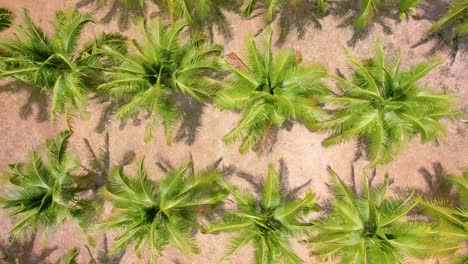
point(300, 149)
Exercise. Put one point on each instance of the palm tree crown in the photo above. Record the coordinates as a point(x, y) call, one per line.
point(370, 228)
point(158, 213)
point(386, 107)
point(270, 90)
point(44, 192)
point(268, 222)
point(150, 73)
point(52, 63)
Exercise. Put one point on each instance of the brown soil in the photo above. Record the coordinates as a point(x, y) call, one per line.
point(300, 148)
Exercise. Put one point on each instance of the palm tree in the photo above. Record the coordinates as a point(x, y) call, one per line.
point(151, 73)
point(6, 17)
point(44, 192)
point(273, 7)
point(53, 63)
point(370, 228)
point(453, 221)
point(385, 106)
point(458, 15)
point(158, 213)
point(268, 222)
point(269, 91)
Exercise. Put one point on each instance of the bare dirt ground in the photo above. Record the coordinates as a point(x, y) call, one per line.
point(22, 131)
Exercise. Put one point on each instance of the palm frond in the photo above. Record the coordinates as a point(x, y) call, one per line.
point(154, 214)
point(269, 223)
point(383, 105)
point(6, 17)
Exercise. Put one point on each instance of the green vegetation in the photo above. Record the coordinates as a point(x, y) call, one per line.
point(158, 213)
point(269, 222)
point(150, 74)
point(386, 106)
point(370, 228)
point(53, 64)
point(457, 15)
point(44, 191)
point(272, 7)
point(452, 219)
point(6, 17)
point(269, 90)
point(381, 104)
point(369, 9)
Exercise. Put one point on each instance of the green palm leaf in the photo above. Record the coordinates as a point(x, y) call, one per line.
point(6, 17)
point(158, 213)
point(458, 11)
point(269, 91)
point(152, 72)
point(386, 107)
point(368, 227)
point(269, 222)
point(53, 63)
point(44, 192)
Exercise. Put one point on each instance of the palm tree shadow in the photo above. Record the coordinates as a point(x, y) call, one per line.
point(21, 251)
point(99, 164)
point(190, 115)
point(216, 21)
point(353, 185)
point(287, 191)
point(108, 112)
point(103, 256)
point(118, 10)
point(349, 10)
point(35, 97)
point(300, 19)
point(444, 39)
point(271, 137)
point(439, 187)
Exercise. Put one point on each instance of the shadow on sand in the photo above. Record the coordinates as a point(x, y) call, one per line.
point(36, 97)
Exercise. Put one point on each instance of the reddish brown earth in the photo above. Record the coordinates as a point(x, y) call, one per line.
point(300, 148)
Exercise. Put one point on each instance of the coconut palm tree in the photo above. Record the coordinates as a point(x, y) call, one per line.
point(6, 17)
point(268, 222)
point(53, 63)
point(273, 7)
point(452, 221)
point(457, 15)
point(44, 193)
point(368, 227)
point(268, 91)
point(152, 72)
point(385, 106)
point(157, 213)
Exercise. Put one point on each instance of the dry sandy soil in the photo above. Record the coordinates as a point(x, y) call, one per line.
point(301, 150)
